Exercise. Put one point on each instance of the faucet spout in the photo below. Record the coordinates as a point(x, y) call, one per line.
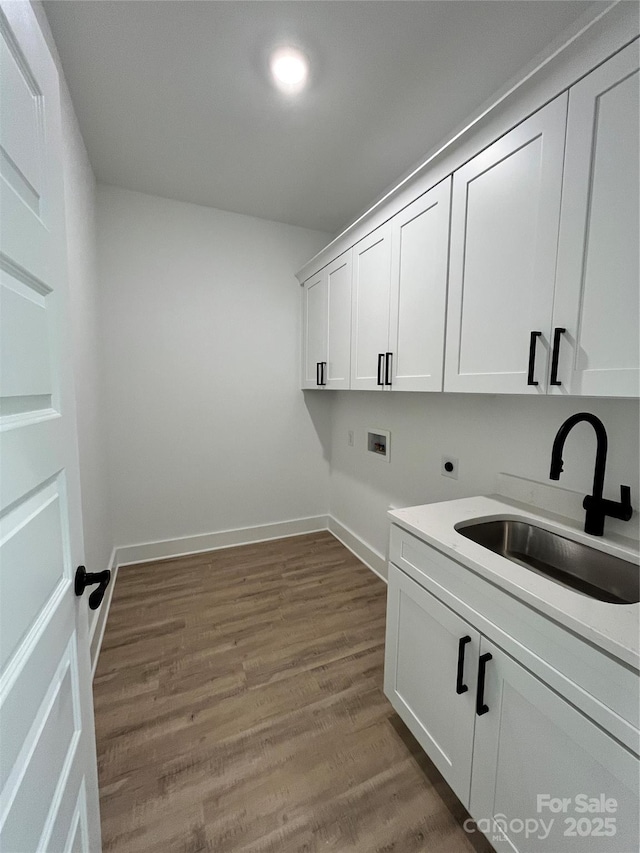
point(601, 449)
point(597, 507)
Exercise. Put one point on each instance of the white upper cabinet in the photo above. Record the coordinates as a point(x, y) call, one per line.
point(504, 235)
point(517, 274)
point(338, 368)
point(370, 309)
point(419, 256)
point(314, 335)
point(399, 298)
point(326, 320)
point(597, 283)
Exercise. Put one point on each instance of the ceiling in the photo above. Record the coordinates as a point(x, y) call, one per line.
point(173, 98)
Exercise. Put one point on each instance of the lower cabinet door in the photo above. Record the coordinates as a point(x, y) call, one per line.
point(545, 778)
point(430, 655)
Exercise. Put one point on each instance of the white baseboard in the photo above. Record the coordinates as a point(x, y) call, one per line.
point(100, 622)
point(184, 545)
point(370, 557)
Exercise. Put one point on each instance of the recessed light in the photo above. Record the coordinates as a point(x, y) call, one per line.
point(290, 69)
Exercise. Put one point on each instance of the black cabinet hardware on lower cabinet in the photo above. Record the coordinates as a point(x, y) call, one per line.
point(460, 687)
point(532, 357)
point(323, 373)
point(481, 708)
point(380, 368)
point(387, 368)
point(557, 335)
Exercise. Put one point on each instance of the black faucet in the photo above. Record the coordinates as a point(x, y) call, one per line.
point(596, 506)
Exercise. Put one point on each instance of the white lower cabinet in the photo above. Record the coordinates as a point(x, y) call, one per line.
point(538, 762)
point(425, 640)
point(534, 772)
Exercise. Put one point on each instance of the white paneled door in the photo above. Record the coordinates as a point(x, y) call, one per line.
point(48, 778)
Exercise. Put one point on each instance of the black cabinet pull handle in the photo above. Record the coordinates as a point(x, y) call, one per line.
point(387, 368)
point(323, 372)
point(317, 373)
point(557, 334)
point(84, 579)
point(532, 357)
point(380, 368)
point(460, 687)
point(481, 708)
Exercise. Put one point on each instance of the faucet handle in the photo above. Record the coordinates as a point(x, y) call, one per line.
point(625, 497)
point(623, 510)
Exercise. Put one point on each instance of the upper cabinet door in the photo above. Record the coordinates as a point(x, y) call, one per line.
point(420, 251)
point(504, 235)
point(598, 272)
point(370, 309)
point(338, 371)
point(314, 330)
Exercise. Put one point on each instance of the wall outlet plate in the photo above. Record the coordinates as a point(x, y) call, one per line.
point(449, 467)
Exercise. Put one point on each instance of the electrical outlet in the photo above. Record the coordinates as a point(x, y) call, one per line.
point(449, 467)
point(350, 438)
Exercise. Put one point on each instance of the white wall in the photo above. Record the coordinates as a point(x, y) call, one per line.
point(80, 191)
point(204, 421)
point(487, 433)
point(207, 428)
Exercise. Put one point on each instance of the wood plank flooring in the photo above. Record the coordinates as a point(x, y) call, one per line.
point(239, 707)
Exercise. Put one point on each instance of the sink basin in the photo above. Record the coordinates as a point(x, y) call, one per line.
point(562, 560)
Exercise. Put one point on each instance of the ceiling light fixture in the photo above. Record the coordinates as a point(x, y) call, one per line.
point(290, 69)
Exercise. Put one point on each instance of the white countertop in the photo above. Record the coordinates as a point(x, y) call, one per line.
point(614, 628)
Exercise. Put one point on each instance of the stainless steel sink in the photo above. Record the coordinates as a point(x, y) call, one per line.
point(568, 563)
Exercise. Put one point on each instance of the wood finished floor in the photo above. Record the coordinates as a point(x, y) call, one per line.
point(239, 707)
